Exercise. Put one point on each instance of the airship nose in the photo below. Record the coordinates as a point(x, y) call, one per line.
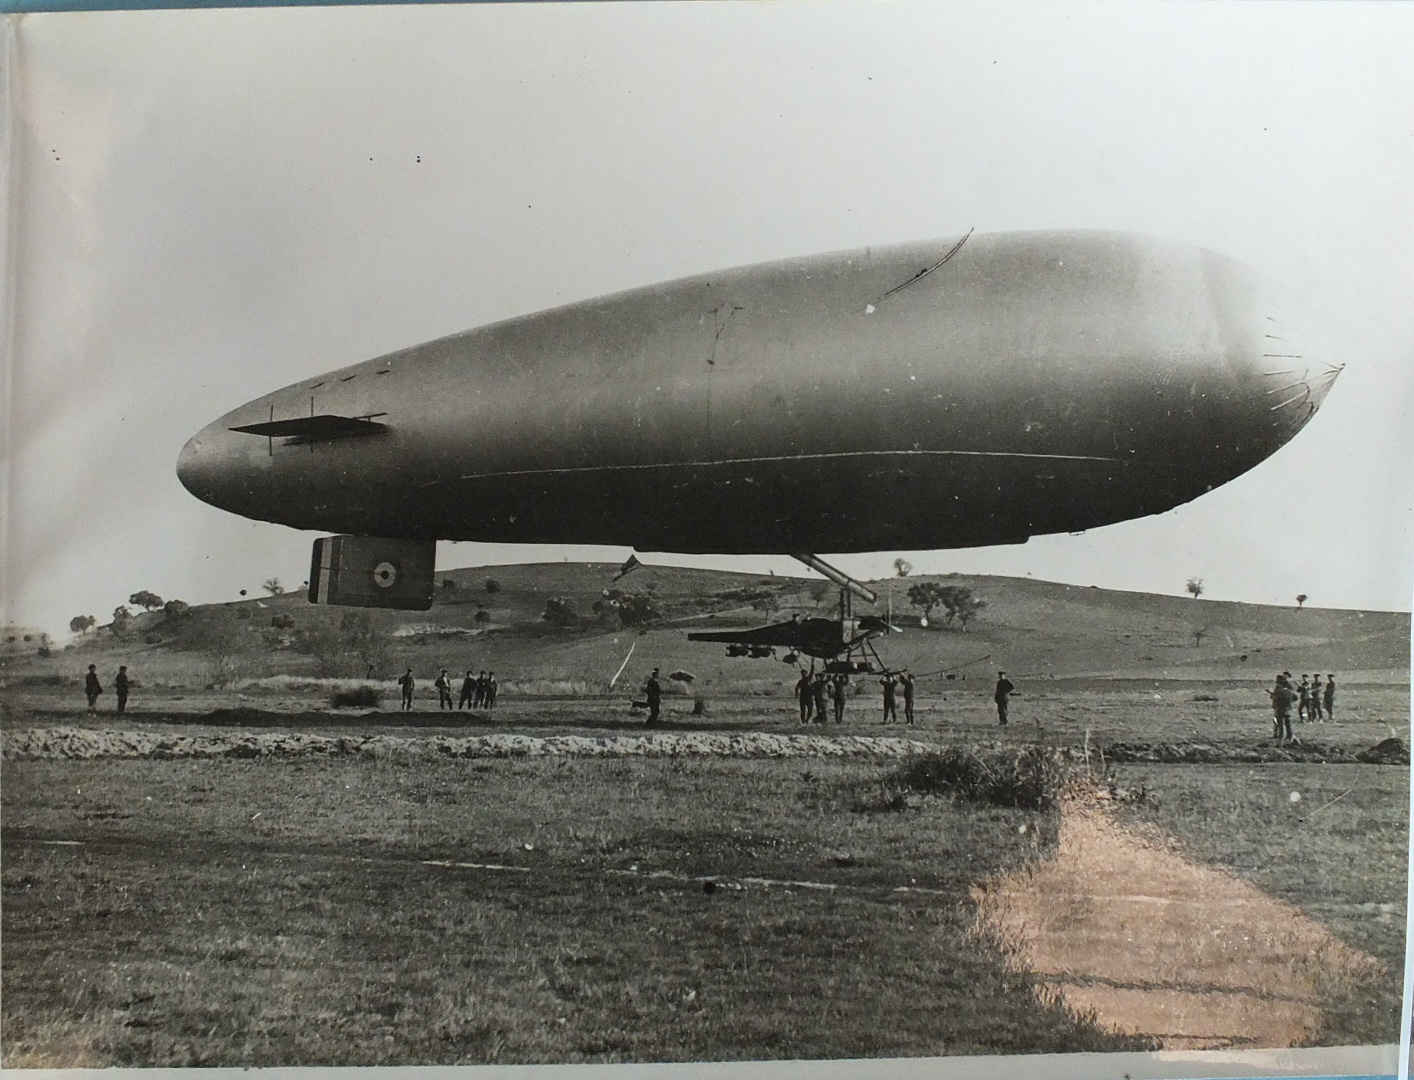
point(219, 469)
point(194, 467)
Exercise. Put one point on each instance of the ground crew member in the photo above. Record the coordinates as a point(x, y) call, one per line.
point(478, 696)
point(820, 689)
point(444, 691)
point(806, 696)
point(468, 692)
point(1330, 697)
point(407, 683)
point(838, 692)
point(907, 698)
point(1316, 690)
point(120, 686)
point(890, 707)
point(1303, 700)
point(654, 693)
point(91, 687)
point(490, 689)
point(1002, 695)
point(1284, 698)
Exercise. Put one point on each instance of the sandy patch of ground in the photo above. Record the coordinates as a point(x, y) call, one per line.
point(1122, 928)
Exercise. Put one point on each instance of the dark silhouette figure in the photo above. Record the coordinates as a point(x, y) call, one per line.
point(1315, 711)
point(908, 692)
point(120, 687)
point(468, 694)
point(890, 685)
point(490, 700)
point(1002, 696)
point(837, 692)
point(653, 691)
point(407, 683)
point(1284, 699)
point(478, 695)
point(1330, 698)
point(91, 687)
point(806, 695)
point(444, 691)
point(820, 689)
point(1303, 700)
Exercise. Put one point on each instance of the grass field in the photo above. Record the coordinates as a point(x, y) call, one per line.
point(285, 912)
point(405, 910)
point(245, 913)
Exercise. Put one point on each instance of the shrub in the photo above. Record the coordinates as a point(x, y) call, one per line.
point(1030, 778)
point(560, 611)
point(366, 696)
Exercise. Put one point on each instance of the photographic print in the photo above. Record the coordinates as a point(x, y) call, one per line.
point(602, 534)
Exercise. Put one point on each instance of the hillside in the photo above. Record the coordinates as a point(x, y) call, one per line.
point(1034, 629)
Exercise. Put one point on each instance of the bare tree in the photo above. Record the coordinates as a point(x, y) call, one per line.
point(273, 587)
point(1198, 633)
point(1195, 586)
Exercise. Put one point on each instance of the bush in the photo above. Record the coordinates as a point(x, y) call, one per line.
point(355, 646)
point(1030, 778)
point(560, 611)
point(367, 696)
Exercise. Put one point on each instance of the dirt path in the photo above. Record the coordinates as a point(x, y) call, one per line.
point(1120, 926)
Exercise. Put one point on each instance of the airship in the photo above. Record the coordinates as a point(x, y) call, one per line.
point(948, 393)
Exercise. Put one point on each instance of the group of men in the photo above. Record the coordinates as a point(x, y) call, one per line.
point(478, 692)
point(821, 693)
point(92, 688)
point(1311, 702)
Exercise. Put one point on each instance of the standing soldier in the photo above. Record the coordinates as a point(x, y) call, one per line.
point(1284, 699)
point(1002, 696)
point(654, 693)
point(478, 695)
point(120, 686)
point(806, 696)
point(444, 691)
point(91, 687)
point(837, 692)
point(1316, 690)
point(1330, 698)
point(468, 692)
point(491, 689)
point(890, 685)
point(1303, 699)
point(407, 683)
point(907, 697)
point(820, 689)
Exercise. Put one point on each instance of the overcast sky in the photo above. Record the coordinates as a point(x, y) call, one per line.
point(208, 205)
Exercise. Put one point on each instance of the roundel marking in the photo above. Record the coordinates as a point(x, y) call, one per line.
point(385, 575)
